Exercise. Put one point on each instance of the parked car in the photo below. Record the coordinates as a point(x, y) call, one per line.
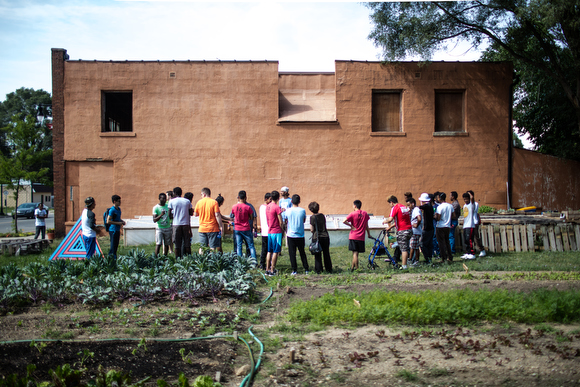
point(25, 209)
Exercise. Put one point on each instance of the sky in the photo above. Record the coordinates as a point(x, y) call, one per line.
point(301, 36)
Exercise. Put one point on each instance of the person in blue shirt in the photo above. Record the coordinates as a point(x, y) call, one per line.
point(295, 217)
point(115, 222)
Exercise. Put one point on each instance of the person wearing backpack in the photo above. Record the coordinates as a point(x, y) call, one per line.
point(115, 222)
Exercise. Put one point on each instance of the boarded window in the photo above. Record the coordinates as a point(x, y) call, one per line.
point(117, 111)
point(449, 111)
point(386, 111)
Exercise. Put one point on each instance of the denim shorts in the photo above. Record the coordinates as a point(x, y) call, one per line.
point(210, 239)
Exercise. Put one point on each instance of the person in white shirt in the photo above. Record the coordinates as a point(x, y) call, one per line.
point(477, 222)
point(468, 225)
point(264, 230)
point(40, 213)
point(443, 218)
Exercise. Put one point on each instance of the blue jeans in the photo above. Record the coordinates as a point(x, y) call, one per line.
point(90, 245)
point(115, 237)
point(454, 223)
point(247, 236)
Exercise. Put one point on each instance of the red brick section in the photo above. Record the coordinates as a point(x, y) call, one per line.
point(58, 60)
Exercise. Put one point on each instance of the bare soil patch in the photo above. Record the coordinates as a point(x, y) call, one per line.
point(483, 355)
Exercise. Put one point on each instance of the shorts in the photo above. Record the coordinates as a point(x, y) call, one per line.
point(210, 239)
point(354, 245)
point(414, 242)
point(163, 236)
point(274, 243)
point(403, 238)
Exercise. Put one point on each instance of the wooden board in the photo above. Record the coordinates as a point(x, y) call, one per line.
point(545, 238)
point(573, 244)
point(558, 236)
point(517, 244)
point(530, 228)
point(565, 237)
point(490, 238)
point(510, 237)
point(551, 239)
point(504, 241)
point(497, 238)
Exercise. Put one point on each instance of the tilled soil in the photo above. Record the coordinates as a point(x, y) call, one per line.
point(482, 355)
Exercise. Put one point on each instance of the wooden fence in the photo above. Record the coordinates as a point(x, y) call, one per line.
point(528, 237)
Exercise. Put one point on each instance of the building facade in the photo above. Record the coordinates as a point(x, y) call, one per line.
point(364, 132)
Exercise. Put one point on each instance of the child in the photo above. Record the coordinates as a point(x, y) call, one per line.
point(163, 230)
point(358, 221)
point(469, 225)
point(416, 223)
point(264, 229)
point(89, 227)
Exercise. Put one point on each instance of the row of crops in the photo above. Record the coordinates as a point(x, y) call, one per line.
point(137, 276)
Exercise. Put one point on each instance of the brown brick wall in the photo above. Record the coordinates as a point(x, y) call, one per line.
point(58, 59)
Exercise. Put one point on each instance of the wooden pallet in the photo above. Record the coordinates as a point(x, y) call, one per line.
point(526, 237)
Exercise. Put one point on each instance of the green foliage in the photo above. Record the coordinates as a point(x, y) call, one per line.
point(485, 210)
point(137, 276)
point(205, 381)
point(407, 375)
point(434, 307)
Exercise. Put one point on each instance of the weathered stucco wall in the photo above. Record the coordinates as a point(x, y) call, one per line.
point(545, 181)
point(216, 124)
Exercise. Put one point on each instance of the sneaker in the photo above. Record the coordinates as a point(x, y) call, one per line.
point(268, 273)
point(306, 272)
point(464, 256)
point(403, 267)
point(294, 273)
point(416, 263)
point(482, 253)
point(388, 260)
point(469, 256)
point(273, 273)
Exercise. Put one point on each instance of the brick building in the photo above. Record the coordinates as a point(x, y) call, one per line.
point(368, 130)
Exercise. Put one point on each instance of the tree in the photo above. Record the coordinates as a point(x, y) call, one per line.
point(541, 109)
point(25, 152)
point(22, 103)
point(543, 35)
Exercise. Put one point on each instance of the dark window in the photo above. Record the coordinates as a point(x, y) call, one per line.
point(117, 109)
point(386, 111)
point(449, 111)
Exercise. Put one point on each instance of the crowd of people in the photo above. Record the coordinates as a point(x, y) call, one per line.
point(428, 228)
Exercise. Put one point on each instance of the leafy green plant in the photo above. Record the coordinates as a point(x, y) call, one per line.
point(186, 358)
point(85, 354)
point(141, 346)
point(407, 375)
point(39, 346)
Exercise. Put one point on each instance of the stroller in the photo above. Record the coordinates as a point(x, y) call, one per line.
point(379, 250)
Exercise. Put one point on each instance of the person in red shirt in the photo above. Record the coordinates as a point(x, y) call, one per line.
point(358, 221)
point(274, 219)
point(401, 218)
point(243, 220)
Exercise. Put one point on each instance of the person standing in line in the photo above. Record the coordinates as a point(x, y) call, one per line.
point(358, 221)
point(170, 196)
point(295, 217)
point(477, 221)
point(454, 220)
point(401, 218)
point(211, 227)
point(115, 223)
point(163, 230)
point(243, 221)
point(40, 213)
point(89, 227)
point(428, 229)
point(285, 202)
point(180, 211)
point(435, 203)
point(318, 222)
point(274, 218)
point(264, 230)
point(443, 218)
point(469, 225)
point(417, 228)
